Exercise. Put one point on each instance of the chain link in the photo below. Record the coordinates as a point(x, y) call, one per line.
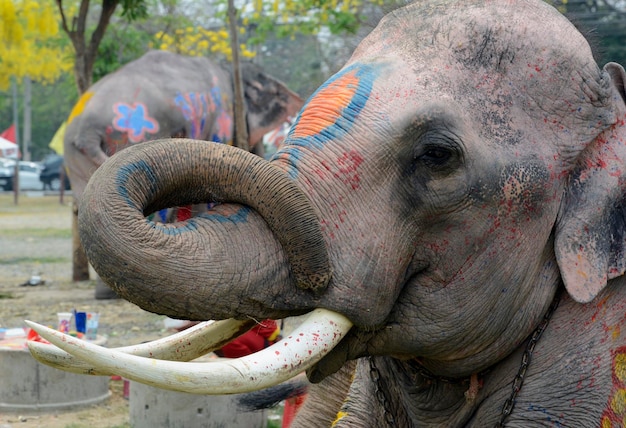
point(518, 381)
point(509, 404)
point(381, 393)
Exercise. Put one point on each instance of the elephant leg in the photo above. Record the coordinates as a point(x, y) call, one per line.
point(103, 291)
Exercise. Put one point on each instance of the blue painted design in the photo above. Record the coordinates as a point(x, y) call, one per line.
point(195, 108)
point(553, 420)
point(135, 120)
point(124, 174)
point(173, 229)
point(241, 216)
point(162, 214)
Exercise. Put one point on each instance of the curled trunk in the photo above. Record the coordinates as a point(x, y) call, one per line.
point(272, 240)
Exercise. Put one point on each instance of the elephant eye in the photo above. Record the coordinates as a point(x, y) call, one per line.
point(436, 156)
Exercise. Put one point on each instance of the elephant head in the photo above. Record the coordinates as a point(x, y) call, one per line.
point(466, 163)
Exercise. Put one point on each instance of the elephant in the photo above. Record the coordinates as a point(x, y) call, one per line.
point(163, 94)
point(449, 207)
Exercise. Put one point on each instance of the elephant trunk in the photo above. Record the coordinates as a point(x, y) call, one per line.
point(223, 256)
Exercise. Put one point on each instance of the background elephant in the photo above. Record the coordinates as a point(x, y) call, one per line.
point(454, 196)
point(161, 95)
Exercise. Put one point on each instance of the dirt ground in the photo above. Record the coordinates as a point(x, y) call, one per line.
point(35, 239)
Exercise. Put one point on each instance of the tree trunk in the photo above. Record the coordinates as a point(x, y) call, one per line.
point(83, 69)
point(241, 129)
point(80, 264)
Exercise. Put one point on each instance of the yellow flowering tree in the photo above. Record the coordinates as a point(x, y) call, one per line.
point(197, 41)
point(288, 17)
point(262, 17)
point(30, 43)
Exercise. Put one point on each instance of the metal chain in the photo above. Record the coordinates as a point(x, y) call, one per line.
point(509, 404)
point(381, 393)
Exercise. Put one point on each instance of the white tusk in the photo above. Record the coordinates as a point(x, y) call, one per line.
point(186, 345)
point(313, 339)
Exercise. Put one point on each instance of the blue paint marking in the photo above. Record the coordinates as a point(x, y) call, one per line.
point(554, 421)
point(173, 230)
point(216, 96)
point(124, 174)
point(195, 109)
point(367, 75)
point(163, 214)
point(241, 216)
point(135, 120)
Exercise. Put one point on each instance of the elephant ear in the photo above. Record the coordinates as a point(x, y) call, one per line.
point(268, 101)
point(590, 235)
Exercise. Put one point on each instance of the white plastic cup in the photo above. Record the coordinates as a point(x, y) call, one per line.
point(64, 321)
point(92, 325)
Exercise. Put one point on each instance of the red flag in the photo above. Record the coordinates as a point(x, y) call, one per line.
point(9, 133)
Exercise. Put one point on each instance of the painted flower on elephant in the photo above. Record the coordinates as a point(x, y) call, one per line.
point(195, 108)
point(135, 120)
point(223, 133)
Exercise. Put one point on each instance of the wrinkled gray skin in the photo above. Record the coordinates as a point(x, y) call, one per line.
point(181, 96)
point(467, 165)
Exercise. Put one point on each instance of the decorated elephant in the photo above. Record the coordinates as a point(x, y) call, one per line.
point(450, 207)
point(163, 94)
point(160, 95)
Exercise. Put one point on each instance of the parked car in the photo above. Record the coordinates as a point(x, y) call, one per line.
point(52, 170)
point(28, 174)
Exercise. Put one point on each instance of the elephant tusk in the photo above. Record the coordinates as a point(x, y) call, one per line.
point(313, 339)
point(186, 345)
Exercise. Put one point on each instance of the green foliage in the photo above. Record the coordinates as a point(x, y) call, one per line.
point(121, 44)
point(286, 18)
point(602, 22)
point(134, 9)
point(52, 106)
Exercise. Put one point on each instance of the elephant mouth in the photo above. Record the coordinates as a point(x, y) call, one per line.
point(165, 363)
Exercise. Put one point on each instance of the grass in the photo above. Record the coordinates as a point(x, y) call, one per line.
point(126, 425)
point(6, 296)
point(49, 232)
point(270, 424)
point(18, 260)
point(29, 205)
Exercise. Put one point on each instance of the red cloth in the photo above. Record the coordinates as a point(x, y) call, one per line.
point(184, 213)
point(292, 405)
point(259, 337)
point(9, 133)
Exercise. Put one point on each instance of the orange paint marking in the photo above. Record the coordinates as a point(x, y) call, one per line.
point(327, 106)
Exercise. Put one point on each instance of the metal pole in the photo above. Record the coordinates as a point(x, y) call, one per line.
point(15, 111)
point(27, 118)
point(17, 140)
